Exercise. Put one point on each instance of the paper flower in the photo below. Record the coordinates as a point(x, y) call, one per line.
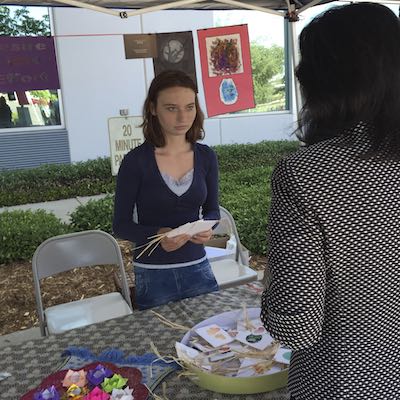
point(96, 376)
point(77, 378)
point(47, 394)
point(97, 394)
point(115, 382)
point(122, 394)
point(75, 392)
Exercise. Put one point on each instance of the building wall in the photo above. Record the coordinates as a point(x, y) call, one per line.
point(97, 81)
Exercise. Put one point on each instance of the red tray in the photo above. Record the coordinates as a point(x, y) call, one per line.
point(133, 375)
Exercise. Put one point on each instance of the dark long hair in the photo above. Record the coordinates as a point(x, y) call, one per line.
point(151, 127)
point(350, 72)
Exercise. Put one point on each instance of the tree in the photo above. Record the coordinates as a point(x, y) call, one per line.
point(268, 68)
point(20, 23)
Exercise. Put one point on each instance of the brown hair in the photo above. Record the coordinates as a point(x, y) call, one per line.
point(151, 127)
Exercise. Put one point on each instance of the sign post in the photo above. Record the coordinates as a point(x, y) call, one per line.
point(125, 134)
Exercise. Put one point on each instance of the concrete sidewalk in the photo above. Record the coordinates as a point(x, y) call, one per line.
point(61, 208)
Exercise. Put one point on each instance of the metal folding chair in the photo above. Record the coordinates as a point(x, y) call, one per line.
point(65, 252)
point(230, 264)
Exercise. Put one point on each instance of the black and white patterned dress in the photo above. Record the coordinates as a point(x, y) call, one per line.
point(334, 259)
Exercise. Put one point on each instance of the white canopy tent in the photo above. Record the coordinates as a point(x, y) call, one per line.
point(125, 9)
point(289, 9)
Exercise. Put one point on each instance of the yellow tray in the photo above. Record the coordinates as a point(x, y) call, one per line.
point(234, 385)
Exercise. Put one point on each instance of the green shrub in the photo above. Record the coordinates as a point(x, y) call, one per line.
point(245, 174)
point(54, 182)
point(246, 194)
point(96, 214)
point(241, 156)
point(23, 231)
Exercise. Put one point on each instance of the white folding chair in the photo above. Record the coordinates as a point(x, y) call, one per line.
point(81, 249)
point(230, 264)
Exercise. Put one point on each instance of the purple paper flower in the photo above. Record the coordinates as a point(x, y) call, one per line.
point(96, 376)
point(47, 394)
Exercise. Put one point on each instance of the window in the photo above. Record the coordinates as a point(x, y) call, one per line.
point(35, 108)
point(267, 42)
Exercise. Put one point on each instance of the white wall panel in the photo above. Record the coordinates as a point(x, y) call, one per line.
point(97, 81)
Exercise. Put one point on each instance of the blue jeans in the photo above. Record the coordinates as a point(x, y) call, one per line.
point(159, 286)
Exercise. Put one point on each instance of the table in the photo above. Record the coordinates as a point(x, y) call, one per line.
point(30, 362)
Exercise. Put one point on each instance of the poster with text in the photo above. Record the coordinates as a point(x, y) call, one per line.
point(175, 51)
point(27, 63)
point(226, 69)
point(125, 134)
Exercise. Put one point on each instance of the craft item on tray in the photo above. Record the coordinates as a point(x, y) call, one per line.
point(242, 360)
point(258, 341)
point(283, 355)
point(256, 367)
point(214, 335)
point(59, 385)
point(152, 368)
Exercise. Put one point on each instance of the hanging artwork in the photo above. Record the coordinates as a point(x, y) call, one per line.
point(226, 69)
point(27, 63)
point(175, 52)
point(140, 46)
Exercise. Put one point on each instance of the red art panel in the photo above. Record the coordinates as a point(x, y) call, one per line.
point(226, 69)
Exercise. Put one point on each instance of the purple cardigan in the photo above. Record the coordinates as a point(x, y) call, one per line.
point(140, 182)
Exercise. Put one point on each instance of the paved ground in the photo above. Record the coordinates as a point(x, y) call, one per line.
point(61, 208)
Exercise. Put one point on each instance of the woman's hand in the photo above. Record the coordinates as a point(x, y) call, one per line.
point(173, 243)
point(202, 237)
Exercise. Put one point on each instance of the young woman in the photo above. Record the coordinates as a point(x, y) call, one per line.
point(170, 178)
point(334, 226)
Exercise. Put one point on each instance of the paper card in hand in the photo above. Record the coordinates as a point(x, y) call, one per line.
point(192, 228)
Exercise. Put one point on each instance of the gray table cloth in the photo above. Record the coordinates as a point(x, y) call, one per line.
point(30, 362)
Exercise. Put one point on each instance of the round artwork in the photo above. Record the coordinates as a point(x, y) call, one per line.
point(173, 51)
point(228, 92)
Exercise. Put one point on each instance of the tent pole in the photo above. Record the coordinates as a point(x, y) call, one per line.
point(243, 5)
point(161, 7)
point(307, 6)
point(80, 4)
point(294, 60)
point(126, 14)
point(144, 60)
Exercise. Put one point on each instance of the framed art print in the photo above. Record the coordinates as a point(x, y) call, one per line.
point(226, 69)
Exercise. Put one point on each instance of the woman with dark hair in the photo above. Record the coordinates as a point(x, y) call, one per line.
point(333, 294)
point(169, 178)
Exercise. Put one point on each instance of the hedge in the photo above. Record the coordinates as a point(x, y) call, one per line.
point(23, 231)
point(245, 173)
point(54, 182)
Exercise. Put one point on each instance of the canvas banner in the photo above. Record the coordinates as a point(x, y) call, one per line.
point(226, 69)
point(27, 63)
point(140, 46)
point(175, 51)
